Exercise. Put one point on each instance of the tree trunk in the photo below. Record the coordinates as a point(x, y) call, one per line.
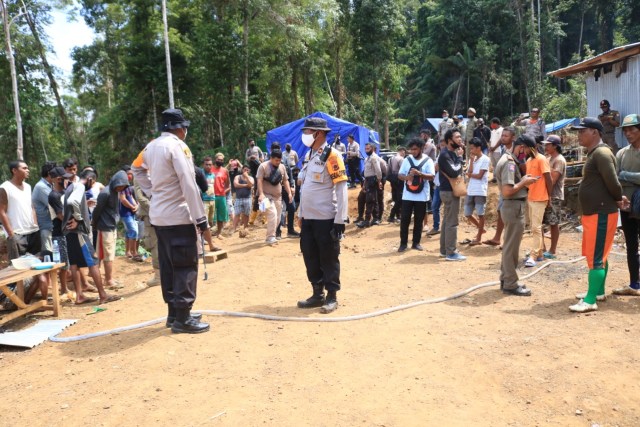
point(294, 87)
point(245, 50)
point(167, 54)
point(339, 88)
point(581, 32)
point(220, 127)
point(375, 105)
point(308, 90)
point(14, 80)
point(54, 86)
point(386, 118)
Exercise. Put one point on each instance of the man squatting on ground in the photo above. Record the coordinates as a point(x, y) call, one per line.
point(165, 172)
point(323, 211)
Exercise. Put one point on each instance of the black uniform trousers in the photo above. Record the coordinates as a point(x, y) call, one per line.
point(631, 229)
point(397, 185)
point(354, 170)
point(371, 204)
point(178, 257)
point(380, 198)
point(320, 253)
point(419, 210)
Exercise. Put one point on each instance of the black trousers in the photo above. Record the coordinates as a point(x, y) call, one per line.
point(178, 257)
point(371, 202)
point(418, 209)
point(380, 197)
point(362, 201)
point(354, 170)
point(290, 211)
point(631, 229)
point(397, 185)
point(320, 253)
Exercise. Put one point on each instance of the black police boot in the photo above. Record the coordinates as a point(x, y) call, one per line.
point(331, 303)
point(171, 316)
point(185, 324)
point(315, 300)
point(363, 224)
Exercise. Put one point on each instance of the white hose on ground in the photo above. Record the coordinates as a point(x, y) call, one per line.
point(467, 291)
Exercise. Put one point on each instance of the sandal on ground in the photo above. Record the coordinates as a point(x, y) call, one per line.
point(110, 298)
point(491, 243)
point(86, 301)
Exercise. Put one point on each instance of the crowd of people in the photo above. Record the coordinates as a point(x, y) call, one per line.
point(73, 216)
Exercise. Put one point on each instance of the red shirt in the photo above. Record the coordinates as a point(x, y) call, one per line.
point(222, 180)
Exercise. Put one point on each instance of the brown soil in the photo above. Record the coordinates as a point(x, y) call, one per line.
point(483, 359)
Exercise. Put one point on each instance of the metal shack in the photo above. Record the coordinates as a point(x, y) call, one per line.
point(613, 75)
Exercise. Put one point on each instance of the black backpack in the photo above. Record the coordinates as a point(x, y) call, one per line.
point(416, 185)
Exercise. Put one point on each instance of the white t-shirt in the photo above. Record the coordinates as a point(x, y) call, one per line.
point(496, 134)
point(427, 168)
point(479, 187)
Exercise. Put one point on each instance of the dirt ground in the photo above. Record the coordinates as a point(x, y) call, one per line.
point(483, 359)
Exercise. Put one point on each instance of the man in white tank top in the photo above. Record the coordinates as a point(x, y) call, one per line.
point(19, 220)
point(17, 214)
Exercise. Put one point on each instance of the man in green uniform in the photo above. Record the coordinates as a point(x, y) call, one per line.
point(513, 187)
point(610, 119)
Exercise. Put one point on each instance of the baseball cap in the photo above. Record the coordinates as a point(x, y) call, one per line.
point(553, 139)
point(525, 140)
point(315, 123)
point(630, 120)
point(58, 172)
point(588, 123)
point(173, 118)
point(445, 112)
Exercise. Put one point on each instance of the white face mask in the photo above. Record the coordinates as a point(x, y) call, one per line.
point(308, 139)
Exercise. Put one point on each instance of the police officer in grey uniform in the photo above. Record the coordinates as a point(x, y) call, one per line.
point(323, 212)
point(513, 187)
point(164, 170)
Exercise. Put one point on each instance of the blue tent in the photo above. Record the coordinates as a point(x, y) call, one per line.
point(552, 127)
point(291, 132)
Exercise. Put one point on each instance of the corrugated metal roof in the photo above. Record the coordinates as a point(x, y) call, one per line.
point(614, 55)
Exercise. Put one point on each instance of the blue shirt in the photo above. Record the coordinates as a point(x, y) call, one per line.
point(40, 200)
point(427, 168)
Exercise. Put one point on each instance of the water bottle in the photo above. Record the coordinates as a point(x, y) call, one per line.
point(56, 252)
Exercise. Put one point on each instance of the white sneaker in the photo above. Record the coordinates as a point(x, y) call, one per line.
point(271, 241)
point(529, 262)
point(598, 297)
point(583, 307)
point(627, 290)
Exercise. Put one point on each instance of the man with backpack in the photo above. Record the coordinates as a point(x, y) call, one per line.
point(416, 170)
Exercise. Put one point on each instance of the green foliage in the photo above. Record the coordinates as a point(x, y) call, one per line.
point(241, 68)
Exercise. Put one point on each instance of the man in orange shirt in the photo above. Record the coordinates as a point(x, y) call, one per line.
point(539, 197)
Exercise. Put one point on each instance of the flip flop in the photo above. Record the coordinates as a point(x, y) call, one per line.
point(465, 242)
point(475, 243)
point(86, 301)
point(111, 298)
point(90, 288)
point(491, 243)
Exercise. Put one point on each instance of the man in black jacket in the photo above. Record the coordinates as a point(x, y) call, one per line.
point(450, 166)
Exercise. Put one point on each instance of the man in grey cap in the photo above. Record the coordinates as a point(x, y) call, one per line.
point(165, 172)
point(323, 211)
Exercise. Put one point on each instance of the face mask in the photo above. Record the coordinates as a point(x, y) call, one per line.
point(308, 139)
point(219, 163)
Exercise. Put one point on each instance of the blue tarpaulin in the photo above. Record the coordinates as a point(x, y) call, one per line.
point(555, 126)
point(291, 133)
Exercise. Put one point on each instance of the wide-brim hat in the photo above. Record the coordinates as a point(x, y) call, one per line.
point(588, 123)
point(316, 123)
point(173, 118)
point(630, 120)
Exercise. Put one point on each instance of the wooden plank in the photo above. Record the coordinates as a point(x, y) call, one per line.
point(19, 302)
point(23, 312)
point(53, 279)
point(11, 275)
point(211, 257)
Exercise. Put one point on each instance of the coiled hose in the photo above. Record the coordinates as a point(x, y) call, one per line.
point(467, 291)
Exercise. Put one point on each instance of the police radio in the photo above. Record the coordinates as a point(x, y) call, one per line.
point(327, 150)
